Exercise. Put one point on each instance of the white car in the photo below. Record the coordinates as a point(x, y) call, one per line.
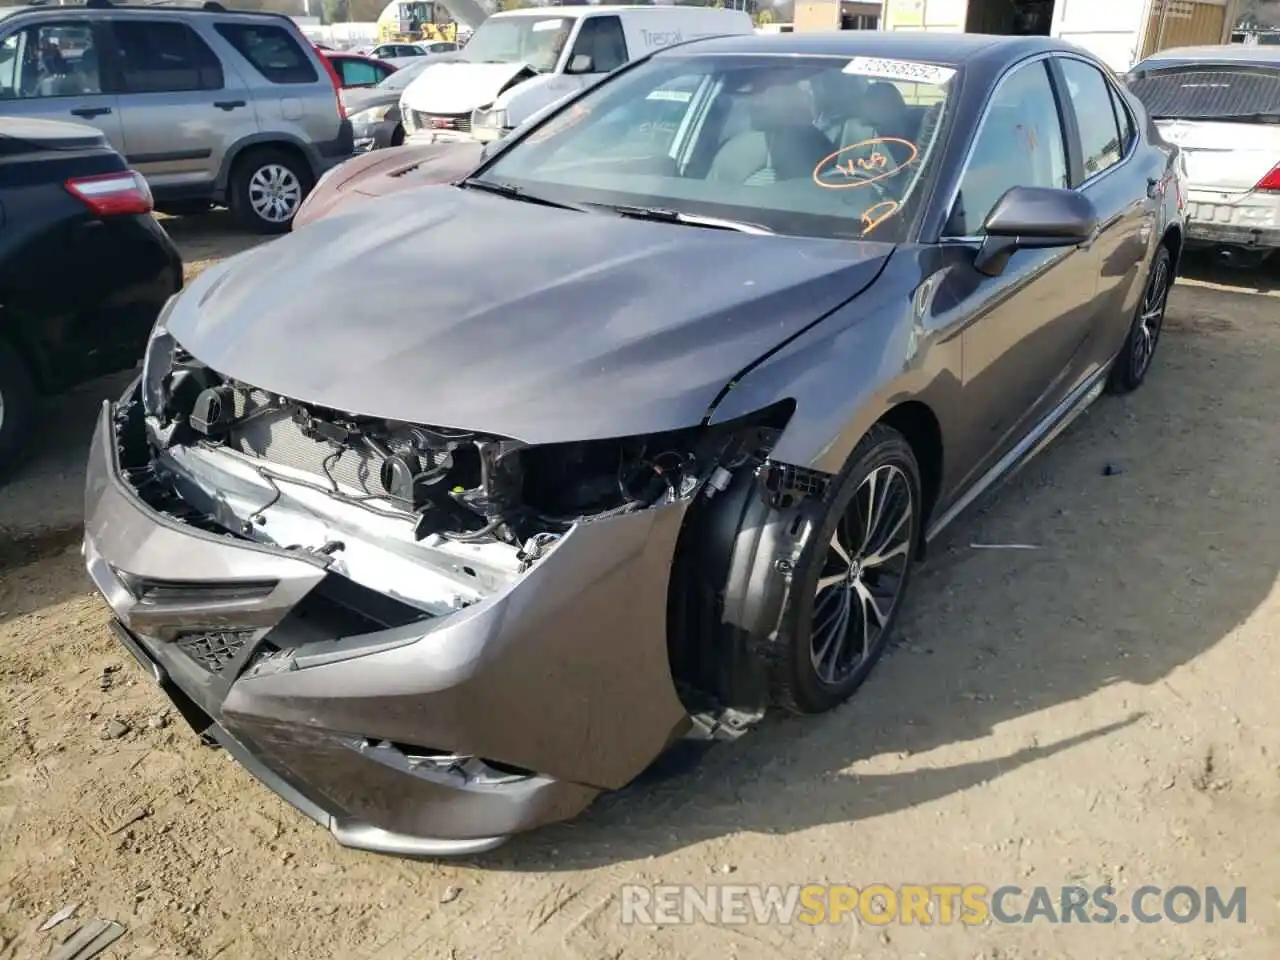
point(519, 62)
point(391, 52)
point(1221, 105)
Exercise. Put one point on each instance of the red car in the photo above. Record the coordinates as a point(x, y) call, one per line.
point(356, 71)
point(387, 171)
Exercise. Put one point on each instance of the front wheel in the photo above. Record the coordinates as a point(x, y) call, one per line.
point(1133, 363)
point(267, 189)
point(852, 576)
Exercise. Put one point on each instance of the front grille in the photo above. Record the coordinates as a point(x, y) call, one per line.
point(461, 122)
point(214, 651)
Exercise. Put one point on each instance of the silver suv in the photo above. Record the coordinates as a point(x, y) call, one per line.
point(211, 106)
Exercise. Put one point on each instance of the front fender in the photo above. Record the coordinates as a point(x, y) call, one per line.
point(881, 349)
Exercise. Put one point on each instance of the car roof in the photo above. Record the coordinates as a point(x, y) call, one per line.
point(77, 8)
point(1221, 53)
point(576, 11)
point(952, 49)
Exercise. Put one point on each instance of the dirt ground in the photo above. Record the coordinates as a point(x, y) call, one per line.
point(1101, 708)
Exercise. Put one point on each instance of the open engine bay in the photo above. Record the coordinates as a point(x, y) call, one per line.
point(436, 518)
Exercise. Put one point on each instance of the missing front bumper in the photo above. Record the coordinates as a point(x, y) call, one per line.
point(565, 673)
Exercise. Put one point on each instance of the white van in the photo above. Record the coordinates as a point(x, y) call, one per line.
point(521, 61)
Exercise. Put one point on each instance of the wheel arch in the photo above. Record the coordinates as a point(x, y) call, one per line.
point(269, 141)
point(919, 425)
point(730, 585)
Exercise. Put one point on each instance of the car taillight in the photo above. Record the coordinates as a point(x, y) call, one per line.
point(113, 194)
point(337, 85)
point(1271, 181)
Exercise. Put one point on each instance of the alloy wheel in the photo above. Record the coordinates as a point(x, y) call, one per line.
point(1150, 319)
point(275, 193)
point(863, 576)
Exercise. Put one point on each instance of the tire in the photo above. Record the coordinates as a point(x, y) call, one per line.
point(17, 407)
point(262, 170)
point(1133, 363)
point(798, 686)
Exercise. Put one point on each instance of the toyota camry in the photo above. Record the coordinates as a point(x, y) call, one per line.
point(713, 351)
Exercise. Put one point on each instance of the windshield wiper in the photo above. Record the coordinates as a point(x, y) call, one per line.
point(664, 215)
point(513, 192)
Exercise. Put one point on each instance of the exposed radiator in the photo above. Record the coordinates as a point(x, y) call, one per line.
point(272, 436)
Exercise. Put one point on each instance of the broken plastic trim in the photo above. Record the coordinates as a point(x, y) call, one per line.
point(731, 590)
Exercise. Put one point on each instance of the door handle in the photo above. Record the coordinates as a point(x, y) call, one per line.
point(90, 112)
point(228, 104)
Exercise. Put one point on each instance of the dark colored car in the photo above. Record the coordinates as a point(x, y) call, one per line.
point(711, 353)
point(84, 267)
point(355, 71)
point(375, 111)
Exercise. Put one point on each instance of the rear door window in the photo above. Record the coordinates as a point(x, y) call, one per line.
point(358, 73)
point(164, 57)
point(1095, 116)
point(1193, 91)
point(1124, 119)
point(271, 50)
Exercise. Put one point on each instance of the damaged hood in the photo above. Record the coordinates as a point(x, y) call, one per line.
point(453, 308)
point(459, 86)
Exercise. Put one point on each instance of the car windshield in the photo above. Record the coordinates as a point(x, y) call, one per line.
point(807, 146)
point(536, 41)
point(1203, 91)
point(402, 77)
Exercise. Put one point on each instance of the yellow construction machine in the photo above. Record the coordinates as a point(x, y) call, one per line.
point(414, 21)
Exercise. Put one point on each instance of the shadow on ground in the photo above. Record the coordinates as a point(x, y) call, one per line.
point(991, 636)
point(1202, 266)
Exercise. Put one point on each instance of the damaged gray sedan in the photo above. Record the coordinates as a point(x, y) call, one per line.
point(712, 351)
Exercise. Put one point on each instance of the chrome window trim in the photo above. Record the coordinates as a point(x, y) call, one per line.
point(982, 119)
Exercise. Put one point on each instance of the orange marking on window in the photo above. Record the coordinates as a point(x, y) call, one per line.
point(853, 170)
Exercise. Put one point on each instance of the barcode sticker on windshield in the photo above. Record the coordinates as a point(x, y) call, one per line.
point(674, 96)
point(545, 25)
point(908, 70)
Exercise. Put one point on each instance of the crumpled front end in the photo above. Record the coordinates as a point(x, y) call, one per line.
point(425, 639)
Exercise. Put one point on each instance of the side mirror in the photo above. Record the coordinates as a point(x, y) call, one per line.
point(582, 63)
point(1034, 218)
